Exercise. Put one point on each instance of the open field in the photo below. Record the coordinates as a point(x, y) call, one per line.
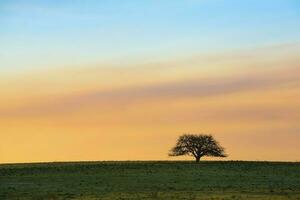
point(151, 180)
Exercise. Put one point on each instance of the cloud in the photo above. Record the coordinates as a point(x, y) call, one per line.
point(190, 88)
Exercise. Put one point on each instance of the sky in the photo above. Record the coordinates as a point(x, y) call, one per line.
point(121, 80)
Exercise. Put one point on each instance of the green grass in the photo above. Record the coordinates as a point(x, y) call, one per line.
point(151, 180)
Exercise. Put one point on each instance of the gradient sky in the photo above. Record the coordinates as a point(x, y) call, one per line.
point(121, 80)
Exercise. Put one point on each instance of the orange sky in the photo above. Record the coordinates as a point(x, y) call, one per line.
point(248, 99)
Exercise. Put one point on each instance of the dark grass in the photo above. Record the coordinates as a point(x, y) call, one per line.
point(151, 180)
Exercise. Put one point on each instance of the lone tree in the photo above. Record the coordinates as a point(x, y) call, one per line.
point(197, 146)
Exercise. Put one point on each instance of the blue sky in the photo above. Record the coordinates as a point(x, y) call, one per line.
point(34, 34)
point(79, 74)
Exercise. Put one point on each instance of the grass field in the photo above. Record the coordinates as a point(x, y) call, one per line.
point(151, 180)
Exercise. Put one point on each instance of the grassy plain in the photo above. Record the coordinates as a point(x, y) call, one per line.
point(150, 180)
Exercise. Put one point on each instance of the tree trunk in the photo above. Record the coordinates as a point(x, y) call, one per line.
point(198, 159)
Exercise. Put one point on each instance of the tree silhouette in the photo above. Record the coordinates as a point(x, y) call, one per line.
point(197, 146)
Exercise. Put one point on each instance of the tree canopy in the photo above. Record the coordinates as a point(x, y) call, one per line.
point(197, 145)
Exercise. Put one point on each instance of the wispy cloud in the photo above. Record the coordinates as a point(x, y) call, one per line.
point(190, 88)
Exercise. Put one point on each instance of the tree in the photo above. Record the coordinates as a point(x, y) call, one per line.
point(197, 146)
